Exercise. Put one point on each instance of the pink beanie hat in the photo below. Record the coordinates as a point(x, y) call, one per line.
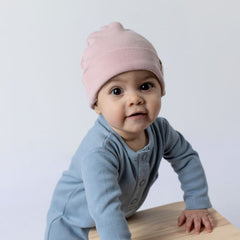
point(114, 50)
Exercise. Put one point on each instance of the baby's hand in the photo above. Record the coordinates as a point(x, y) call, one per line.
point(195, 219)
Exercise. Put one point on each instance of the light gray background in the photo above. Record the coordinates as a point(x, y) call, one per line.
point(44, 109)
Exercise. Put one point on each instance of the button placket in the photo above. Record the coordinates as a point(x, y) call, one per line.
point(142, 183)
point(143, 172)
point(134, 201)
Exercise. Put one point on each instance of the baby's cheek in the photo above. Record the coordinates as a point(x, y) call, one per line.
point(156, 106)
point(115, 118)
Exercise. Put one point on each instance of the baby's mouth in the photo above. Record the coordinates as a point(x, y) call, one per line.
point(137, 114)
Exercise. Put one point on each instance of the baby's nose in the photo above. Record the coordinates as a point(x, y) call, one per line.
point(135, 98)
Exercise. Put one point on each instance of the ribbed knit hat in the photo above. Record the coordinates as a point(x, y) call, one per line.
point(114, 50)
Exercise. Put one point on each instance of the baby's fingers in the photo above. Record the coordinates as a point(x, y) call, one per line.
point(197, 224)
point(208, 223)
point(181, 220)
point(211, 221)
point(189, 224)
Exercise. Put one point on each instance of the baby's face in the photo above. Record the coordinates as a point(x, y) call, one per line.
point(130, 102)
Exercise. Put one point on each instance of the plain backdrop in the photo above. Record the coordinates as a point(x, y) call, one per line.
point(44, 109)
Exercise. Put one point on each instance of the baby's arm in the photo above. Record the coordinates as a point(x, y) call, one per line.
point(100, 176)
point(187, 165)
point(195, 219)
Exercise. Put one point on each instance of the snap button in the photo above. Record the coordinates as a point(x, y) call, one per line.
point(134, 201)
point(142, 183)
point(144, 157)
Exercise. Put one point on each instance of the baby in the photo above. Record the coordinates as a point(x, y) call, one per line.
point(118, 160)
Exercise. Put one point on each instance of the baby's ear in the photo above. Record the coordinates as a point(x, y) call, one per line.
point(97, 109)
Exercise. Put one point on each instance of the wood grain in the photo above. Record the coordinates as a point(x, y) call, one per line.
point(160, 223)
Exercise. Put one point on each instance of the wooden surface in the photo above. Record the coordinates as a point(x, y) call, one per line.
point(160, 223)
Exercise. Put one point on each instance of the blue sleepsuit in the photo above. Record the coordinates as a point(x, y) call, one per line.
point(107, 181)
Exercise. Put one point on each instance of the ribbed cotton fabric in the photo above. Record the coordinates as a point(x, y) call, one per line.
point(107, 181)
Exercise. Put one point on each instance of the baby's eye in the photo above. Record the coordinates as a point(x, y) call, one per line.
point(116, 91)
point(146, 86)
